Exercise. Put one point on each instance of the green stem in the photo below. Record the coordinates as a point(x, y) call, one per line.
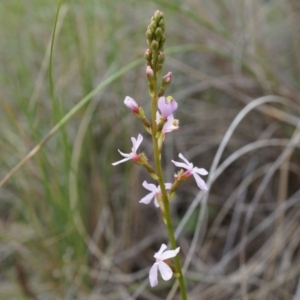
point(161, 182)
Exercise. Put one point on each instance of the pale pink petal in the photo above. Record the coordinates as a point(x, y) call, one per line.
point(200, 171)
point(149, 186)
point(156, 202)
point(129, 155)
point(157, 117)
point(169, 253)
point(165, 271)
point(147, 199)
point(153, 275)
point(121, 161)
point(169, 125)
point(200, 182)
point(167, 107)
point(163, 247)
point(168, 186)
point(180, 164)
point(136, 143)
point(185, 160)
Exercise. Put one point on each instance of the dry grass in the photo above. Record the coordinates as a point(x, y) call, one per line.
point(71, 224)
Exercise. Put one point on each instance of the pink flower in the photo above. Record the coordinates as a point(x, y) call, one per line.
point(165, 271)
point(191, 170)
point(155, 192)
point(133, 155)
point(167, 106)
point(131, 104)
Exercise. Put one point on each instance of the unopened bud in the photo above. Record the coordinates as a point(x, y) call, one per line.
point(163, 39)
point(160, 57)
point(152, 26)
point(148, 56)
point(149, 34)
point(154, 45)
point(149, 73)
point(158, 34)
point(166, 80)
point(131, 104)
point(161, 23)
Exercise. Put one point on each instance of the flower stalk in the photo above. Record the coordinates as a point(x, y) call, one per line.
point(156, 149)
point(162, 122)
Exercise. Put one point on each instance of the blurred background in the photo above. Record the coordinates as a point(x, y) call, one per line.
point(71, 225)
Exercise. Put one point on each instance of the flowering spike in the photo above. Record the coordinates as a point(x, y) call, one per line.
point(156, 37)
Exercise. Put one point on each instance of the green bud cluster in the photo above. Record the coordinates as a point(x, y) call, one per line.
point(156, 38)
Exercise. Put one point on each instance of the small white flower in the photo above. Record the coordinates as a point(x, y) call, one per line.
point(165, 271)
point(155, 192)
point(133, 155)
point(191, 170)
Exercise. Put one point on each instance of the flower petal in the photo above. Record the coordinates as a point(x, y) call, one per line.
point(128, 155)
point(136, 143)
point(169, 253)
point(165, 271)
point(121, 161)
point(200, 182)
point(168, 186)
point(157, 117)
point(169, 125)
point(167, 107)
point(156, 202)
point(153, 275)
point(185, 160)
point(147, 199)
point(200, 171)
point(149, 186)
point(180, 164)
point(163, 247)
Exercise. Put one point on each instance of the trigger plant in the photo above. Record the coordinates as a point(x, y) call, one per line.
point(161, 123)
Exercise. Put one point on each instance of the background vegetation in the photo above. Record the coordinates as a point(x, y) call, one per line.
point(71, 225)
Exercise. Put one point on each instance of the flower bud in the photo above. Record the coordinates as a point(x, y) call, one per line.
point(131, 104)
point(149, 34)
point(161, 23)
point(148, 56)
point(158, 34)
point(166, 80)
point(157, 15)
point(149, 73)
point(154, 46)
point(152, 26)
point(160, 57)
